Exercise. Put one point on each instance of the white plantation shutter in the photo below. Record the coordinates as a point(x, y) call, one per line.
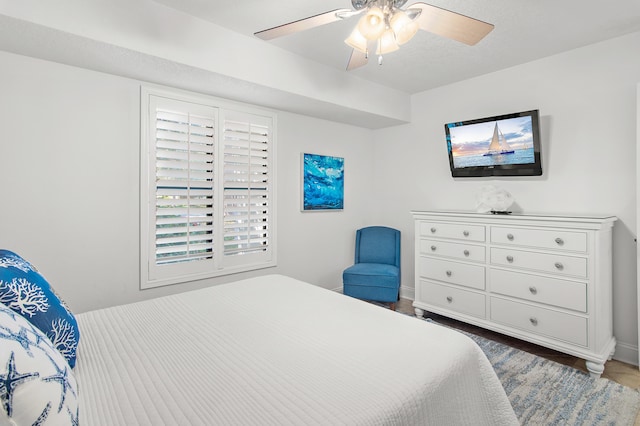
point(185, 148)
point(247, 205)
point(207, 207)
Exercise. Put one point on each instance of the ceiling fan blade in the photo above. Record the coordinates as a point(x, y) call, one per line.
point(450, 24)
point(357, 60)
point(303, 24)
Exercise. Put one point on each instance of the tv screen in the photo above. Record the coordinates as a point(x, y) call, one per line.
point(505, 145)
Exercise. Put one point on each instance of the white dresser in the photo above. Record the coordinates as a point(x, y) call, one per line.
point(543, 279)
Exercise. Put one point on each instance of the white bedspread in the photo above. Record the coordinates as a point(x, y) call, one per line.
point(277, 351)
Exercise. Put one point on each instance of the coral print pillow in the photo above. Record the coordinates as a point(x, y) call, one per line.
point(25, 291)
point(37, 386)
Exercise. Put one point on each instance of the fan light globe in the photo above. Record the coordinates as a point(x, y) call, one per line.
point(372, 24)
point(403, 26)
point(387, 43)
point(357, 41)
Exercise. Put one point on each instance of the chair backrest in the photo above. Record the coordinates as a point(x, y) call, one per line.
point(378, 244)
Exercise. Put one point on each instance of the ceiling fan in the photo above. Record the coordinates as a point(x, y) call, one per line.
point(385, 26)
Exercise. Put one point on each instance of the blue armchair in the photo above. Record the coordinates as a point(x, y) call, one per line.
point(375, 275)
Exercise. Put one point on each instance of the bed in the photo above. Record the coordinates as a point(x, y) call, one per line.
point(275, 350)
point(270, 350)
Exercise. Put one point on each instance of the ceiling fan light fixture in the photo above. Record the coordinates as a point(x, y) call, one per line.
point(357, 41)
point(387, 43)
point(389, 25)
point(403, 27)
point(372, 25)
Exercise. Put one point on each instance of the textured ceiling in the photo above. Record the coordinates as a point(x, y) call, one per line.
point(524, 31)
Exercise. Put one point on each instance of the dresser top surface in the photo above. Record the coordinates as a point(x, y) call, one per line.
point(452, 214)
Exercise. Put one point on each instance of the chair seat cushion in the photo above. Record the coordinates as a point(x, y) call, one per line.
point(372, 274)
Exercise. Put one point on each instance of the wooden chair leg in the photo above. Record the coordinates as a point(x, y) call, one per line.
point(393, 306)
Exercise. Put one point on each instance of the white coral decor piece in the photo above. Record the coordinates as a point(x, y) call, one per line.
point(492, 198)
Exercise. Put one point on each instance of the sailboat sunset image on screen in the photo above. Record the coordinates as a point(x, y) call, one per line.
point(505, 145)
point(499, 145)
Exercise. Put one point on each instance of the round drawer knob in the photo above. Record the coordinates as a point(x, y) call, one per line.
point(433, 230)
point(466, 253)
point(533, 321)
point(533, 290)
point(449, 273)
point(559, 266)
point(433, 248)
point(465, 233)
point(449, 299)
point(510, 237)
point(510, 259)
point(559, 241)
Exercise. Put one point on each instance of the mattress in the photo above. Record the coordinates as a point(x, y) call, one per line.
point(273, 350)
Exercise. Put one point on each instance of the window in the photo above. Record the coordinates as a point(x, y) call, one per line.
point(207, 188)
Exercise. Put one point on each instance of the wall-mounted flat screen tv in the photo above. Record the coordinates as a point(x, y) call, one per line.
point(504, 145)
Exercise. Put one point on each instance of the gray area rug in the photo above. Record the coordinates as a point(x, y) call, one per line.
point(544, 392)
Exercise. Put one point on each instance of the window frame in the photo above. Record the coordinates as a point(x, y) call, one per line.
point(153, 275)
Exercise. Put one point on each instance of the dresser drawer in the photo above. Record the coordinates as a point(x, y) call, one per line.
point(455, 250)
point(540, 238)
point(558, 325)
point(459, 231)
point(452, 272)
point(545, 262)
point(455, 299)
point(550, 291)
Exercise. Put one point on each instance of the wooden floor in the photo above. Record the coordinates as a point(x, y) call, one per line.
point(620, 372)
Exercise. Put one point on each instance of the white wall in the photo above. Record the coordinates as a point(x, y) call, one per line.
point(638, 198)
point(317, 246)
point(143, 39)
point(69, 176)
point(69, 155)
point(587, 102)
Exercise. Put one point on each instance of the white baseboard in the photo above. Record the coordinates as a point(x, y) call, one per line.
point(405, 293)
point(408, 293)
point(626, 353)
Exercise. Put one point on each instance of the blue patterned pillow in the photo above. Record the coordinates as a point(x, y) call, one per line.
point(26, 292)
point(37, 386)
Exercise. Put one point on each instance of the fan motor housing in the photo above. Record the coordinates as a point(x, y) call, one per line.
point(361, 4)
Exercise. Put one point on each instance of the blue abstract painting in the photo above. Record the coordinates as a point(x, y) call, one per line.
point(322, 182)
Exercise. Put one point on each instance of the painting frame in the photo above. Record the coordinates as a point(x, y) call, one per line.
point(322, 182)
